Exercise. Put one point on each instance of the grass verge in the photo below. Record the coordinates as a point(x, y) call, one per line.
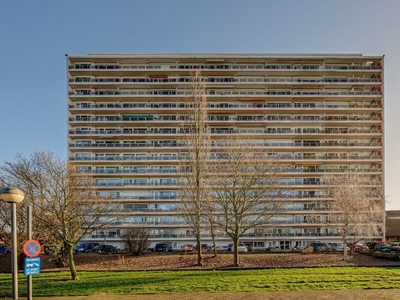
point(167, 282)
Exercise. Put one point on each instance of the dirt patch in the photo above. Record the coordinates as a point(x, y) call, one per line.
point(182, 261)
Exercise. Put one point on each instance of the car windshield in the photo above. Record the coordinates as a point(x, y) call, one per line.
point(81, 246)
point(98, 247)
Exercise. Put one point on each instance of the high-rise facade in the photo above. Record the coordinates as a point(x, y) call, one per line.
point(320, 114)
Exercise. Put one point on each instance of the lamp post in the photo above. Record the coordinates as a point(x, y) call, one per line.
point(13, 196)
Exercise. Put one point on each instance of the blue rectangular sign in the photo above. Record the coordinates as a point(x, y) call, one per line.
point(31, 266)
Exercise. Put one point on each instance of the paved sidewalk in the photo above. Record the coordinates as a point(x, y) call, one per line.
point(389, 294)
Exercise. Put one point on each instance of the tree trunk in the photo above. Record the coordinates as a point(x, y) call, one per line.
point(214, 242)
point(236, 252)
point(215, 249)
point(214, 245)
point(345, 256)
point(199, 250)
point(72, 268)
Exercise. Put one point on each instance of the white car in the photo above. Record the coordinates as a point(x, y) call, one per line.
point(241, 247)
point(339, 247)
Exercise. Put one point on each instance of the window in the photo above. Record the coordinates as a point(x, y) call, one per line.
point(82, 92)
point(83, 143)
point(79, 156)
point(84, 168)
point(107, 169)
point(107, 182)
point(82, 66)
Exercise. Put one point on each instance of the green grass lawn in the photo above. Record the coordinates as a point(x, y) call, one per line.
point(165, 282)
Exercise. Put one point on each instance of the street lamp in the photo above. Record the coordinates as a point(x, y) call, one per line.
point(13, 196)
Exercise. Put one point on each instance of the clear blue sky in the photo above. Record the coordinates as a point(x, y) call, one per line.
point(35, 35)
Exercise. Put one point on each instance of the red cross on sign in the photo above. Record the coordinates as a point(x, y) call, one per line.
point(31, 248)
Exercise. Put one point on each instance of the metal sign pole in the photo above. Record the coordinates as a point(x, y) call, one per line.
point(29, 237)
point(14, 257)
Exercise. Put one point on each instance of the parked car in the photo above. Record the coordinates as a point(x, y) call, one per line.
point(339, 247)
point(395, 249)
point(162, 248)
point(83, 247)
point(103, 249)
point(187, 248)
point(221, 248)
point(319, 246)
point(380, 246)
point(371, 245)
point(248, 246)
point(385, 247)
point(206, 248)
point(241, 247)
point(269, 249)
point(360, 247)
point(4, 249)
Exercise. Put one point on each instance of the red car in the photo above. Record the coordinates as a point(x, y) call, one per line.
point(187, 247)
point(360, 247)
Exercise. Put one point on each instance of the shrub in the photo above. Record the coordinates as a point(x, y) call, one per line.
point(135, 241)
point(308, 250)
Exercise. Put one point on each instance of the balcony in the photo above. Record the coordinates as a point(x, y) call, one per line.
point(287, 158)
point(123, 158)
point(147, 184)
point(289, 183)
point(231, 131)
point(210, 81)
point(147, 210)
point(271, 111)
point(286, 170)
point(288, 93)
point(137, 171)
point(85, 67)
point(216, 144)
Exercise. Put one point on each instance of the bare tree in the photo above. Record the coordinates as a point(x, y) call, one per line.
point(192, 186)
point(355, 209)
point(66, 205)
point(209, 214)
point(244, 185)
point(135, 240)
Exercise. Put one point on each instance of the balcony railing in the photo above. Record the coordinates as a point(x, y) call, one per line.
point(285, 170)
point(261, 236)
point(177, 209)
point(285, 157)
point(217, 145)
point(247, 131)
point(182, 222)
point(225, 80)
point(175, 198)
point(162, 210)
point(137, 171)
point(136, 184)
point(222, 93)
point(82, 67)
point(175, 184)
point(224, 106)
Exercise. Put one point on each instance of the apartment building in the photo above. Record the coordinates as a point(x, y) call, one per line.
point(319, 113)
